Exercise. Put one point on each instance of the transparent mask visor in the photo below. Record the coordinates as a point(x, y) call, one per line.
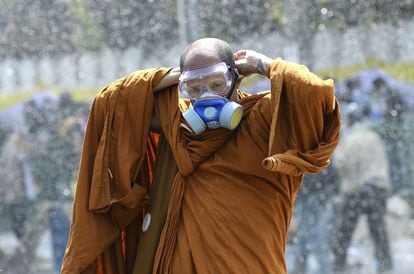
point(215, 79)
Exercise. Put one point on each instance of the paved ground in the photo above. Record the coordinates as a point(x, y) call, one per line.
point(362, 259)
point(360, 254)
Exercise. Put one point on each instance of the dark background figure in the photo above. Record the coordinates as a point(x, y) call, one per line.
point(18, 194)
point(392, 106)
point(314, 214)
point(389, 109)
point(353, 93)
point(55, 132)
point(4, 133)
point(16, 187)
point(362, 163)
point(59, 226)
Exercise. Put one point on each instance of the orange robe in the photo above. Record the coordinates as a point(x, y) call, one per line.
point(113, 182)
point(230, 204)
point(237, 188)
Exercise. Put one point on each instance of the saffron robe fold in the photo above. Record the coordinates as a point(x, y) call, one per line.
point(109, 194)
point(230, 204)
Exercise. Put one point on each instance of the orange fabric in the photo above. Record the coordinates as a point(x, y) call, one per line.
point(146, 176)
point(108, 196)
point(318, 103)
point(99, 265)
point(228, 213)
point(165, 172)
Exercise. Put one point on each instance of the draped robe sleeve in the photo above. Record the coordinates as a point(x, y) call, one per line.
point(108, 196)
point(305, 120)
point(303, 131)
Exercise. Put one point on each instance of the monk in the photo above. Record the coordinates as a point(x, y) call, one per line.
point(182, 172)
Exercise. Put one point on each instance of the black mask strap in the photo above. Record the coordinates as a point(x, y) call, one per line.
point(235, 75)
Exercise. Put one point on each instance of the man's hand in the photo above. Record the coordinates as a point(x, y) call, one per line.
point(250, 61)
point(171, 78)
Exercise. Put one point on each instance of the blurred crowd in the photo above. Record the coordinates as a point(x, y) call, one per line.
point(40, 158)
point(366, 170)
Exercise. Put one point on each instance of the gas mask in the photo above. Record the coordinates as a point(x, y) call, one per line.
point(207, 88)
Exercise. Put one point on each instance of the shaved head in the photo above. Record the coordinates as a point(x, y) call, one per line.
point(206, 51)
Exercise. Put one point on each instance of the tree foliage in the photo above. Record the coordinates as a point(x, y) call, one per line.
point(56, 27)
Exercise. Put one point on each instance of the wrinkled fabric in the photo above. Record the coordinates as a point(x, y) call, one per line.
point(229, 213)
point(165, 172)
point(231, 200)
point(110, 190)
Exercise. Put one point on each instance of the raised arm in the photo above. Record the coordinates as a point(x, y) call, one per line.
point(250, 61)
point(170, 79)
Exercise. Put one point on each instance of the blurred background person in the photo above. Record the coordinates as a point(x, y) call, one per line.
point(17, 187)
point(362, 163)
point(388, 109)
point(353, 93)
point(18, 191)
point(55, 130)
point(386, 102)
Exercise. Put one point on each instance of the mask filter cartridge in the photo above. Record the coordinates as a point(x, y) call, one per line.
point(213, 113)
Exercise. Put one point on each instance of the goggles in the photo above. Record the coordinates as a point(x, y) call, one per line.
point(215, 79)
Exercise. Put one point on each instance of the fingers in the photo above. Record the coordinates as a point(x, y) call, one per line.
point(250, 61)
point(239, 54)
